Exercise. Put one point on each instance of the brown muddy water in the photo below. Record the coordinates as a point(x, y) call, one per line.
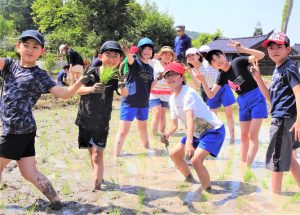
point(141, 181)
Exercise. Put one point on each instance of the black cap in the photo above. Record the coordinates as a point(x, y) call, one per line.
point(34, 34)
point(111, 45)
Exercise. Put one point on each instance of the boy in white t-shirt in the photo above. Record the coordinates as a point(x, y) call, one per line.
point(205, 133)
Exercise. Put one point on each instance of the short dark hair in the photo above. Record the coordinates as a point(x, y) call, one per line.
point(140, 49)
point(210, 55)
point(67, 66)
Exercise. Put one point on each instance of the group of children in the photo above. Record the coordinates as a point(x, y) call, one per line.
point(162, 82)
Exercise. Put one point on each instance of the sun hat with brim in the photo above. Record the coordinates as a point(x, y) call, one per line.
point(175, 67)
point(212, 52)
point(166, 49)
point(278, 38)
point(39, 37)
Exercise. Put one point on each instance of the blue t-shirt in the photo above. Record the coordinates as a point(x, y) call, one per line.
point(283, 100)
point(22, 87)
point(60, 78)
point(138, 83)
point(182, 43)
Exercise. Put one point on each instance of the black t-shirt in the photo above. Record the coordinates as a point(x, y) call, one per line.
point(238, 77)
point(95, 108)
point(74, 58)
point(138, 83)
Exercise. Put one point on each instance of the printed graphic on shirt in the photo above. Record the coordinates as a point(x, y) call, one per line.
point(236, 84)
point(201, 126)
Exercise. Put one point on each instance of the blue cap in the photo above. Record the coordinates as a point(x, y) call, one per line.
point(34, 34)
point(145, 41)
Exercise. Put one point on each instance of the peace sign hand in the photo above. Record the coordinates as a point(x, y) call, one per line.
point(236, 44)
point(254, 69)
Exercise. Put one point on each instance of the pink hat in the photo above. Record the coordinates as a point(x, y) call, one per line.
point(278, 38)
point(175, 67)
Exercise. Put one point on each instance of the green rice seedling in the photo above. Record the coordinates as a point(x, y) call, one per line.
point(141, 199)
point(31, 209)
point(240, 202)
point(2, 205)
point(108, 73)
point(293, 199)
point(289, 181)
point(182, 189)
point(66, 188)
point(264, 184)
point(249, 175)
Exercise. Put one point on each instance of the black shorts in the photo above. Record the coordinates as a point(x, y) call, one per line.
point(282, 144)
point(17, 146)
point(89, 138)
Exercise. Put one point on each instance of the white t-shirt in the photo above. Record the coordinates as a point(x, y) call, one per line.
point(210, 74)
point(161, 90)
point(189, 99)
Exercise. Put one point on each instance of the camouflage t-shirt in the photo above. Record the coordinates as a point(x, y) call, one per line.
point(22, 87)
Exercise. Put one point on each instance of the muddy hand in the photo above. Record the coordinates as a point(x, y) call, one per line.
point(254, 69)
point(124, 44)
point(163, 139)
point(121, 83)
point(159, 76)
point(87, 78)
point(98, 88)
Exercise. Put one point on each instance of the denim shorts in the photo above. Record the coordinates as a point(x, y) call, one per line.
point(252, 105)
point(158, 102)
point(282, 144)
point(129, 113)
point(223, 97)
point(211, 140)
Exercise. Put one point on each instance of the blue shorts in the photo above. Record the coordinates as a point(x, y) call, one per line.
point(252, 105)
point(211, 140)
point(224, 96)
point(157, 102)
point(129, 113)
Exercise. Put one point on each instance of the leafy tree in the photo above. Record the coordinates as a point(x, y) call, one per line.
point(157, 26)
point(18, 11)
point(6, 27)
point(205, 38)
point(286, 13)
point(258, 30)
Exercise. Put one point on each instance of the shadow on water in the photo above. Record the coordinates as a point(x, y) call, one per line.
point(69, 208)
point(154, 152)
point(234, 189)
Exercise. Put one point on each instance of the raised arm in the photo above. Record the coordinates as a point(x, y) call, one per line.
point(254, 54)
point(124, 46)
point(1, 63)
point(256, 75)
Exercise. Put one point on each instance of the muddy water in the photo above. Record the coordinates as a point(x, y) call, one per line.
point(143, 181)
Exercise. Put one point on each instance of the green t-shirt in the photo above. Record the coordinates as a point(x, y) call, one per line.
point(125, 66)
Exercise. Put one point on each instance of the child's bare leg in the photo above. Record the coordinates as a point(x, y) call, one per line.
point(155, 119)
point(124, 127)
point(276, 180)
point(3, 163)
point(253, 140)
point(245, 127)
point(295, 168)
point(230, 122)
point(162, 121)
point(98, 167)
point(29, 171)
point(197, 162)
point(177, 156)
point(142, 128)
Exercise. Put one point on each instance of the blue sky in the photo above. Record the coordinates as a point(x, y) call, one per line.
point(235, 18)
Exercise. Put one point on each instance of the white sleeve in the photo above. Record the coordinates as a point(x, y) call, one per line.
point(189, 102)
point(173, 112)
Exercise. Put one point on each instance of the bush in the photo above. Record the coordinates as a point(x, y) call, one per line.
point(49, 61)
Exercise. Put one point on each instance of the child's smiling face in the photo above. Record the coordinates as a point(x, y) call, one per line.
point(30, 51)
point(110, 58)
